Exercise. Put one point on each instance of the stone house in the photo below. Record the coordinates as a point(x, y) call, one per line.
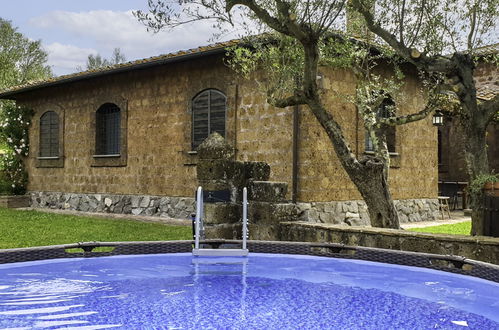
point(451, 161)
point(122, 139)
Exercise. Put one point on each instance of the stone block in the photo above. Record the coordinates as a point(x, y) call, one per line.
point(354, 221)
point(214, 185)
point(224, 231)
point(271, 213)
point(127, 209)
point(352, 215)
point(118, 207)
point(144, 202)
point(135, 200)
point(263, 232)
point(257, 171)
point(353, 207)
point(74, 201)
point(267, 191)
point(215, 147)
point(150, 211)
point(136, 211)
point(218, 213)
point(221, 170)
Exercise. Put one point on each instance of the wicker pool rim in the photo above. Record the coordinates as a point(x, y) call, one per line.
point(448, 263)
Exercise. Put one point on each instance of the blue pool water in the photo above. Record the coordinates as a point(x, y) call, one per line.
point(263, 291)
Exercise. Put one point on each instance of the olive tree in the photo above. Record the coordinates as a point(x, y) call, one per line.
point(442, 37)
point(300, 41)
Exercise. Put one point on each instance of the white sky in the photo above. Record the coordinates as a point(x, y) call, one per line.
point(70, 30)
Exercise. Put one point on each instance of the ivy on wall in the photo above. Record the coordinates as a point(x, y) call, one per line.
point(14, 124)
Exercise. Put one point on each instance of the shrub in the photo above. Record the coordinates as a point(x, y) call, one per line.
point(14, 125)
point(477, 184)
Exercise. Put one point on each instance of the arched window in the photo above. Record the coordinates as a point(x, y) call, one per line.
point(107, 130)
point(386, 110)
point(49, 134)
point(208, 115)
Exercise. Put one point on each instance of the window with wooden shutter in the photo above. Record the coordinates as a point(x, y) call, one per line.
point(386, 110)
point(49, 134)
point(208, 115)
point(107, 130)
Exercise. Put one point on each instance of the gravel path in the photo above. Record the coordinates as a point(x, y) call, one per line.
point(456, 217)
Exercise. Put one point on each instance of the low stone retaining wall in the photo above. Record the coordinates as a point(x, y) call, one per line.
point(480, 248)
point(354, 213)
point(173, 207)
point(14, 202)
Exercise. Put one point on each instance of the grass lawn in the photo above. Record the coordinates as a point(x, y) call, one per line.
point(462, 228)
point(19, 228)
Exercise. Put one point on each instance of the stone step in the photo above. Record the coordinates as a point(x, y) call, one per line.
point(268, 191)
point(260, 213)
point(222, 213)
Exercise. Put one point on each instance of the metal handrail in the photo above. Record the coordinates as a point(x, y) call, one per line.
point(245, 217)
point(199, 229)
point(199, 216)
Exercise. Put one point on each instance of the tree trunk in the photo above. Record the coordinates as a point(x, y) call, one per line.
point(374, 188)
point(473, 121)
point(475, 150)
point(370, 176)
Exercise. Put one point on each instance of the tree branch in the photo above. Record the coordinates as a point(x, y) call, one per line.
point(490, 107)
point(435, 101)
point(422, 61)
point(401, 120)
point(262, 14)
point(297, 99)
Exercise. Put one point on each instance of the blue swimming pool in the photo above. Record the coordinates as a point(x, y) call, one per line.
point(262, 291)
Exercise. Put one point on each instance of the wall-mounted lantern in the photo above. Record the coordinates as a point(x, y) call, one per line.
point(438, 118)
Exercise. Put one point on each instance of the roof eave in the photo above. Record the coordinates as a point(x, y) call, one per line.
point(10, 95)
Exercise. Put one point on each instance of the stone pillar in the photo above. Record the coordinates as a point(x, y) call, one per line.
point(223, 180)
point(215, 169)
point(267, 208)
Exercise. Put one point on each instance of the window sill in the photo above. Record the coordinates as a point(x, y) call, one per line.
point(49, 162)
point(115, 160)
point(107, 156)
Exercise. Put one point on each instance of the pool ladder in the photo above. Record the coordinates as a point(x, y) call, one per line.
point(199, 230)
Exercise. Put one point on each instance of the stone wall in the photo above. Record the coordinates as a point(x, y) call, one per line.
point(171, 207)
point(354, 213)
point(477, 247)
point(158, 160)
point(453, 163)
point(265, 134)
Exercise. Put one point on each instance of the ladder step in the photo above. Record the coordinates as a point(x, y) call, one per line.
point(220, 252)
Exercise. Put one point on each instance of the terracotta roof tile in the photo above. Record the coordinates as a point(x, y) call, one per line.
point(117, 67)
point(483, 92)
